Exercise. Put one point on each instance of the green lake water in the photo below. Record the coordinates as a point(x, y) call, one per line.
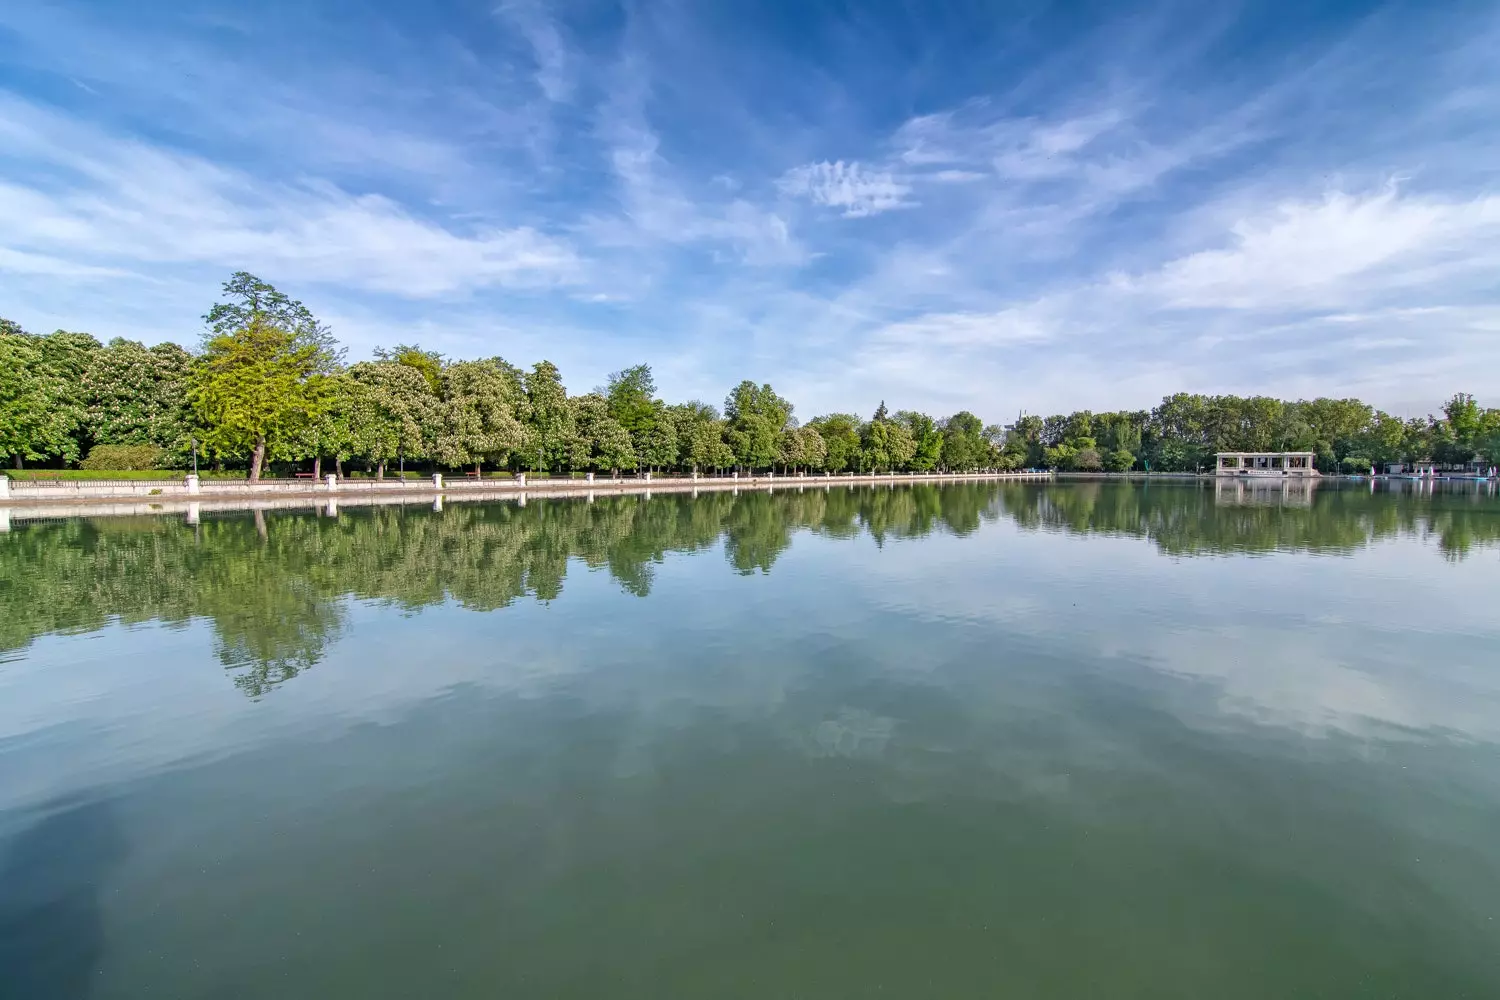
point(1176, 740)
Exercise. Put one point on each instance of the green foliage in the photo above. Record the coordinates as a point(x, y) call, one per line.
point(964, 447)
point(427, 363)
point(480, 416)
point(135, 394)
point(841, 441)
point(551, 430)
point(251, 301)
point(125, 457)
point(755, 417)
point(270, 384)
point(606, 445)
point(255, 389)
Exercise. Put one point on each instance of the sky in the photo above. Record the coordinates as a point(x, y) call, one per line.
point(999, 207)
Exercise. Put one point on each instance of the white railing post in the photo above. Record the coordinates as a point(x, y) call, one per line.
point(332, 481)
point(192, 484)
point(437, 483)
point(521, 479)
point(588, 477)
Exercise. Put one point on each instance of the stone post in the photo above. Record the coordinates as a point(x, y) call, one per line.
point(437, 484)
point(736, 476)
point(192, 484)
point(521, 479)
point(588, 477)
point(333, 482)
point(695, 479)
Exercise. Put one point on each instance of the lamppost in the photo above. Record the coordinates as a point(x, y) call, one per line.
point(193, 441)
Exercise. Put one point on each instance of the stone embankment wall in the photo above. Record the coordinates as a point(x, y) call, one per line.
point(96, 497)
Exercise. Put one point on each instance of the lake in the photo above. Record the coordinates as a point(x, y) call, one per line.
point(1083, 739)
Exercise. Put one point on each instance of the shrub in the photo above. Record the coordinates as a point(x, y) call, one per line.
point(124, 457)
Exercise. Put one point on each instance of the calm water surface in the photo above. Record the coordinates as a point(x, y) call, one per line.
point(1077, 740)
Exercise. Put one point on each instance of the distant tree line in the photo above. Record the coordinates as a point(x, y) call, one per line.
point(269, 384)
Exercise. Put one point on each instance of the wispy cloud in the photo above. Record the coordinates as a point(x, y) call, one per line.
point(854, 189)
point(1161, 200)
point(131, 206)
point(554, 71)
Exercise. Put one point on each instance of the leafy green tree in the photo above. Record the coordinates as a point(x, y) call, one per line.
point(480, 414)
point(552, 434)
point(428, 363)
point(755, 417)
point(658, 440)
point(249, 300)
point(841, 443)
point(26, 432)
point(401, 412)
point(137, 395)
point(927, 437)
point(1119, 460)
point(608, 444)
point(789, 449)
point(964, 447)
point(255, 387)
point(885, 445)
point(814, 448)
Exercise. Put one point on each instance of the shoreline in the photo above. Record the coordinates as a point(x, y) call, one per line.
point(112, 500)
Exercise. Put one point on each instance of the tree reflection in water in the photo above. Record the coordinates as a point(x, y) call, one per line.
point(273, 585)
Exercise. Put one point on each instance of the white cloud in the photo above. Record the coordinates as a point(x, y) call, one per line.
point(1337, 252)
point(851, 187)
point(106, 204)
point(553, 59)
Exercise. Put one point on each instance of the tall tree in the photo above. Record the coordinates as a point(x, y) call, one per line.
point(403, 414)
point(840, 435)
point(481, 417)
point(254, 387)
point(26, 432)
point(550, 424)
point(964, 447)
point(137, 395)
point(249, 300)
point(608, 444)
point(928, 439)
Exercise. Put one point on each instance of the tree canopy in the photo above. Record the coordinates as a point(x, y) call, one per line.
point(269, 384)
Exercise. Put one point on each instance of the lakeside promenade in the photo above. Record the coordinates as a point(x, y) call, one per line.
point(27, 500)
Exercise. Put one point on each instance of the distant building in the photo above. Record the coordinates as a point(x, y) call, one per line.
point(1265, 463)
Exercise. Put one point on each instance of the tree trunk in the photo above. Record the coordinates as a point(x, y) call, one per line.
point(478, 470)
point(18, 460)
point(318, 469)
point(338, 467)
point(380, 469)
point(257, 458)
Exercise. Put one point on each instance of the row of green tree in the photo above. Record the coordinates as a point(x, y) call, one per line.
point(269, 384)
point(273, 586)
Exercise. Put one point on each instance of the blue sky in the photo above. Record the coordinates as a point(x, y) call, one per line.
point(944, 205)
